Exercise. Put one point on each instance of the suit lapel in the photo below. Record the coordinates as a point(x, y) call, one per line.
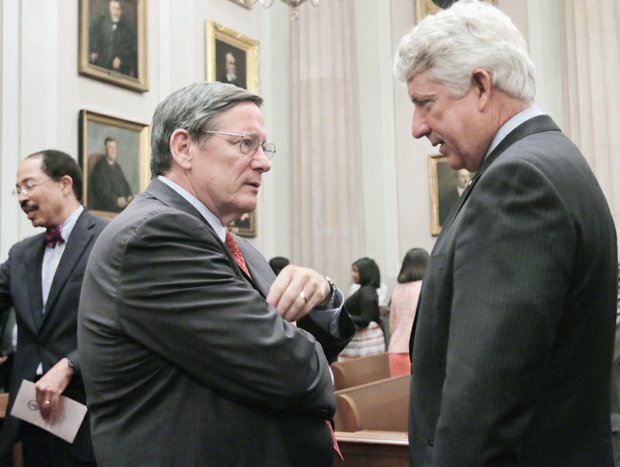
point(169, 197)
point(32, 270)
point(537, 124)
point(262, 274)
point(79, 239)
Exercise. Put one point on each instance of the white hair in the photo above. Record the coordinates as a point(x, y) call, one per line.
point(454, 42)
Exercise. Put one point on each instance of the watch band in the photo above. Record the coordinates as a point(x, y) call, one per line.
point(332, 286)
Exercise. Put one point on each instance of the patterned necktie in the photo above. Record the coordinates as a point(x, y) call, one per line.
point(53, 237)
point(231, 244)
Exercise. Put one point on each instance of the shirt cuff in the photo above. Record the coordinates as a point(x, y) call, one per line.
point(328, 317)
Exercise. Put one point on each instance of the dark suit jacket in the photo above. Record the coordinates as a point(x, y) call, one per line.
point(49, 337)
point(513, 337)
point(184, 361)
point(615, 375)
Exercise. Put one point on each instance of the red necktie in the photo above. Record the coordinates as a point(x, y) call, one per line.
point(336, 447)
point(53, 237)
point(231, 244)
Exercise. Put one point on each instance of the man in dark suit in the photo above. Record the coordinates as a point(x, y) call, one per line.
point(112, 42)
point(41, 280)
point(193, 352)
point(512, 343)
point(108, 188)
point(615, 387)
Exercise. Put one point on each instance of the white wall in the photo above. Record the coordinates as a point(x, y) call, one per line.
point(42, 94)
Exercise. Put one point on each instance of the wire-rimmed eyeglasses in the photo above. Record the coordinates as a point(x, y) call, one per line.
point(27, 187)
point(249, 143)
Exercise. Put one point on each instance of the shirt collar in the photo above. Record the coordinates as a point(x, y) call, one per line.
point(511, 124)
point(211, 218)
point(69, 223)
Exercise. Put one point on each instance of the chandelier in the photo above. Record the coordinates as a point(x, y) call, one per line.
point(293, 4)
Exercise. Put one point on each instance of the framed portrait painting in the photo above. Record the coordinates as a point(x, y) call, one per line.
point(112, 42)
point(114, 156)
point(428, 7)
point(446, 186)
point(233, 58)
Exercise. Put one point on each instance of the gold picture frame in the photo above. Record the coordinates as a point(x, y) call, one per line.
point(428, 7)
point(446, 186)
point(123, 64)
point(115, 157)
point(247, 4)
point(219, 42)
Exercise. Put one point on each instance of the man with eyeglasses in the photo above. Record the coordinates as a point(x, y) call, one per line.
point(193, 352)
point(41, 280)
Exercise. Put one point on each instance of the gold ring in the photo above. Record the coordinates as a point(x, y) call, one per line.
point(303, 296)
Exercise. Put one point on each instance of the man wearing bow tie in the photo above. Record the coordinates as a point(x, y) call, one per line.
point(41, 279)
point(193, 352)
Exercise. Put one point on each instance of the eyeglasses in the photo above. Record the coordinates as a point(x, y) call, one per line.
point(249, 143)
point(27, 187)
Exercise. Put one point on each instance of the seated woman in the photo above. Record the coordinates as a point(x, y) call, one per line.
point(403, 307)
point(363, 306)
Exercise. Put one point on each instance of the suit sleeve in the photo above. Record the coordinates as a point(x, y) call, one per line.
point(513, 260)
point(5, 286)
point(180, 298)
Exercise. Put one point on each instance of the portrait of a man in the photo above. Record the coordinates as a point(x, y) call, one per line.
point(446, 187)
point(112, 165)
point(230, 63)
point(109, 189)
point(112, 39)
point(455, 182)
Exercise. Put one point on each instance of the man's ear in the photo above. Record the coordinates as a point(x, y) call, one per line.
point(67, 184)
point(180, 144)
point(481, 80)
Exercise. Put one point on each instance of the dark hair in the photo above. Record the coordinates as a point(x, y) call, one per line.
point(56, 164)
point(414, 265)
point(194, 108)
point(369, 272)
point(278, 263)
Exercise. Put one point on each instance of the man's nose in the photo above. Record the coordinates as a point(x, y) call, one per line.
point(260, 161)
point(419, 126)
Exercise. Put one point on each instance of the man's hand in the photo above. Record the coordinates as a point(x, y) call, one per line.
point(296, 291)
point(50, 387)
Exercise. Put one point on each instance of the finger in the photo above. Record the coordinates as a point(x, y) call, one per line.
point(45, 406)
point(54, 409)
point(278, 287)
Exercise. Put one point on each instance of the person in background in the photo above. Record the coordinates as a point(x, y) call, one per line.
point(8, 345)
point(363, 306)
point(41, 281)
point(194, 353)
point(278, 263)
point(402, 309)
point(513, 338)
point(615, 386)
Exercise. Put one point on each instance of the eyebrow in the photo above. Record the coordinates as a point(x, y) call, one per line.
point(419, 100)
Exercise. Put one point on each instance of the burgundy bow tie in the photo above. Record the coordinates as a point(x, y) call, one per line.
point(53, 237)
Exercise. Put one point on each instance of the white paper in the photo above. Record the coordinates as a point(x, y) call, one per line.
point(68, 420)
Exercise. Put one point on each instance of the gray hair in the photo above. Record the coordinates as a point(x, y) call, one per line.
point(194, 108)
point(468, 35)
